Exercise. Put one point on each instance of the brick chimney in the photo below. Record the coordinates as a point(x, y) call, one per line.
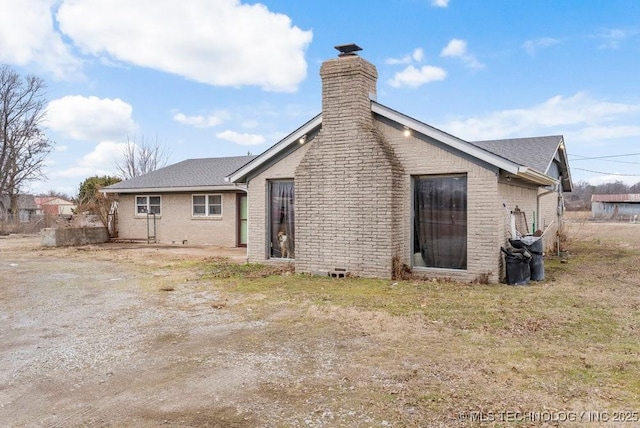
point(347, 209)
point(348, 82)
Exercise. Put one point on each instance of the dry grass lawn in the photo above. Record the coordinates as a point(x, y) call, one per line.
point(430, 353)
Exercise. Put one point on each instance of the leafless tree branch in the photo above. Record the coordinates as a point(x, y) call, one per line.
point(23, 144)
point(140, 158)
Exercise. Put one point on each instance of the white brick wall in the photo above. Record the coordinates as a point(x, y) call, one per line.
point(483, 215)
point(176, 224)
point(257, 250)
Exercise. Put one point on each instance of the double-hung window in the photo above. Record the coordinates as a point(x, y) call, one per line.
point(148, 205)
point(207, 205)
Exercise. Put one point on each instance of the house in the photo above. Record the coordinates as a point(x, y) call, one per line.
point(363, 189)
point(27, 208)
point(616, 207)
point(187, 202)
point(359, 189)
point(54, 206)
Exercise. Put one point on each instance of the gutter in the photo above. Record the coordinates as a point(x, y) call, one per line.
point(534, 176)
point(197, 189)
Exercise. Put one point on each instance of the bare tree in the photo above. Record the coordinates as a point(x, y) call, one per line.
point(141, 158)
point(23, 144)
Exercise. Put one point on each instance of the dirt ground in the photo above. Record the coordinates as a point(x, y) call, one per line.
point(128, 335)
point(89, 337)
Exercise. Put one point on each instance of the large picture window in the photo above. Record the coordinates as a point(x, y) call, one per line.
point(148, 204)
point(281, 220)
point(207, 205)
point(440, 221)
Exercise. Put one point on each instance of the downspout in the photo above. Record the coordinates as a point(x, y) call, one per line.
point(538, 204)
point(560, 214)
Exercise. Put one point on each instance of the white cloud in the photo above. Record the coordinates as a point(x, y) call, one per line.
point(602, 133)
point(27, 36)
point(90, 118)
point(439, 3)
point(417, 55)
point(532, 46)
point(414, 77)
point(612, 38)
point(100, 161)
point(579, 116)
point(394, 61)
point(457, 48)
point(201, 121)
point(242, 139)
point(217, 42)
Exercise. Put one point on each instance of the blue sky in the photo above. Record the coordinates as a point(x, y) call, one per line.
point(208, 78)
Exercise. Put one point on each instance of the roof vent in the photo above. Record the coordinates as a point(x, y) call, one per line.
point(348, 50)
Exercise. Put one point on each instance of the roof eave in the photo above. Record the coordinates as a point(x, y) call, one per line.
point(225, 187)
point(274, 150)
point(448, 139)
point(523, 172)
point(565, 159)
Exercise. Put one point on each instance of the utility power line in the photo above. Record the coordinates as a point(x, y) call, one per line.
point(603, 157)
point(608, 173)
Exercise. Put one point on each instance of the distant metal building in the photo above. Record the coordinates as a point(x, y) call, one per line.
point(621, 207)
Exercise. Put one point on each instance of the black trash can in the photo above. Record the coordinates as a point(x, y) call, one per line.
point(537, 261)
point(517, 266)
point(533, 244)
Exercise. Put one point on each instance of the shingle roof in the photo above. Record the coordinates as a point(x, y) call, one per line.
point(190, 173)
point(534, 152)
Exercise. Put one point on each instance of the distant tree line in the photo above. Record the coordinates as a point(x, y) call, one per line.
point(580, 198)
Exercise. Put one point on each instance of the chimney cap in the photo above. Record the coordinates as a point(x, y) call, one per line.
point(348, 49)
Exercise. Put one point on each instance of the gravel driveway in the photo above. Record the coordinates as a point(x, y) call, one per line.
point(88, 340)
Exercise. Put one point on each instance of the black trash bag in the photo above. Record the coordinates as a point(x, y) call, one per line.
point(517, 265)
point(533, 245)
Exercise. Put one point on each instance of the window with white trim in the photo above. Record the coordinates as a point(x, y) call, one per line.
point(148, 204)
point(207, 205)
